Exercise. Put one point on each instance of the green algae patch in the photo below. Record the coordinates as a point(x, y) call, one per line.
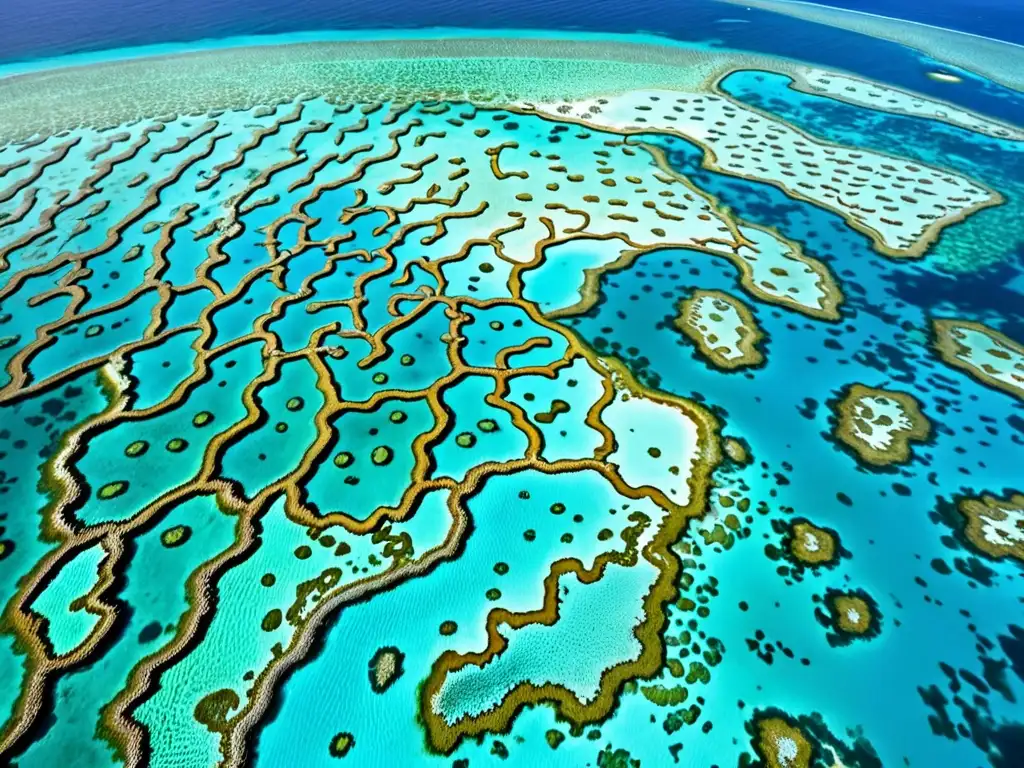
point(465, 440)
point(136, 449)
point(342, 744)
point(343, 459)
point(487, 425)
point(609, 757)
point(664, 696)
point(698, 673)
point(214, 709)
point(177, 444)
point(202, 418)
point(554, 738)
point(112, 490)
point(382, 455)
point(295, 404)
point(175, 536)
point(272, 620)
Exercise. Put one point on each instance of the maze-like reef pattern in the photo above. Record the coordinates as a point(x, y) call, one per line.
point(266, 368)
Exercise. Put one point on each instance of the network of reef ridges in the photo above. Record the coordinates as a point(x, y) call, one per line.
point(261, 293)
point(383, 299)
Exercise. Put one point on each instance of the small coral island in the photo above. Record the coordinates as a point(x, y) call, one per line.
point(807, 544)
point(781, 744)
point(385, 668)
point(879, 424)
point(991, 357)
point(850, 615)
point(782, 740)
point(722, 327)
point(995, 526)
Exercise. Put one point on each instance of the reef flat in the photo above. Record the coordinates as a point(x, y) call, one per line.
point(985, 353)
point(880, 424)
point(995, 526)
point(424, 397)
point(723, 329)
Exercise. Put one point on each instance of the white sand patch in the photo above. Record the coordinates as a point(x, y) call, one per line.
point(877, 420)
point(902, 205)
point(786, 750)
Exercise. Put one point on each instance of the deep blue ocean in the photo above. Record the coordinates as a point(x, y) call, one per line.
point(53, 27)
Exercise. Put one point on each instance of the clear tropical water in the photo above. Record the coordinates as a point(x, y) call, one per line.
point(512, 385)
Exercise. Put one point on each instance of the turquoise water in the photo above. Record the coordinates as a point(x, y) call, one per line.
point(320, 350)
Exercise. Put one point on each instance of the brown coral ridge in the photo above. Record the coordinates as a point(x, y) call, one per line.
point(69, 489)
point(444, 738)
point(207, 576)
point(246, 718)
point(526, 693)
point(19, 386)
point(850, 415)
